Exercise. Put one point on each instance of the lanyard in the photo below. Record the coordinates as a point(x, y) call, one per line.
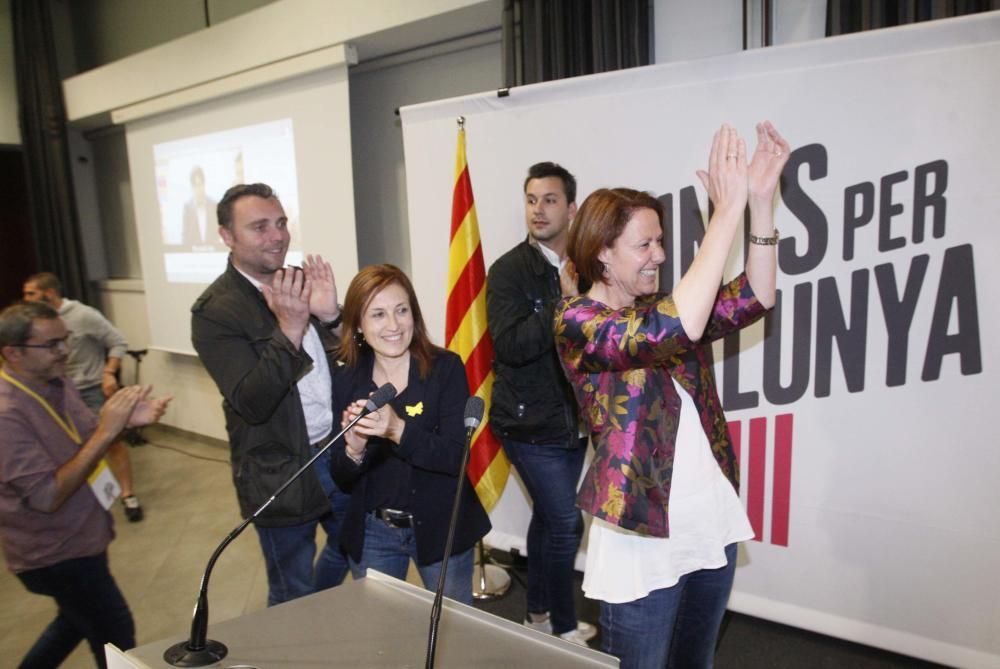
point(65, 423)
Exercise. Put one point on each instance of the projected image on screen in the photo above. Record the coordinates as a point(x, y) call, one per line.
point(193, 173)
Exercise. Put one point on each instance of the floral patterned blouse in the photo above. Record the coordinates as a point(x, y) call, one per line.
point(619, 362)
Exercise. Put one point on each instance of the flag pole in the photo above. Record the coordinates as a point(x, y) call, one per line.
point(467, 333)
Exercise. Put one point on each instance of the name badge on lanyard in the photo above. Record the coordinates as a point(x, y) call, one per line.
point(102, 482)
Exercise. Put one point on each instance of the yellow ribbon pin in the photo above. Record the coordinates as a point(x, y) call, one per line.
point(415, 410)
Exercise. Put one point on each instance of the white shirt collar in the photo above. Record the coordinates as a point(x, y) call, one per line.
point(550, 255)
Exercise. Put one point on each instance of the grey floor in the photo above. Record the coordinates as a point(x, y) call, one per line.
point(185, 487)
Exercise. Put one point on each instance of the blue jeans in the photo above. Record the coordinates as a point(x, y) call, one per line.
point(90, 605)
point(550, 474)
point(671, 627)
point(390, 549)
point(289, 551)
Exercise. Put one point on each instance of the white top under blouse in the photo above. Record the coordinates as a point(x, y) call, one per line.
point(705, 516)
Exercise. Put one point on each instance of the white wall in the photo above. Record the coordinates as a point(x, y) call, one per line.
point(692, 30)
point(377, 91)
point(196, 405)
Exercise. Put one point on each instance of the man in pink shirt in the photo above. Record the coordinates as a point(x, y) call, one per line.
point(54, 526)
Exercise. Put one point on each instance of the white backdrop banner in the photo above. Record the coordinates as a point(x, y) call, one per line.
point(860, 406)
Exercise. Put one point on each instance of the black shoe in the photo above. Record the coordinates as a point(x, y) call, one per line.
point(133, 510)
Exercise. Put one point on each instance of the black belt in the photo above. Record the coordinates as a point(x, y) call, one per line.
point(393, 518)
point(322, 442)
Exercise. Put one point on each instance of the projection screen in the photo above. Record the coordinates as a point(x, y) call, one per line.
point(293, 134)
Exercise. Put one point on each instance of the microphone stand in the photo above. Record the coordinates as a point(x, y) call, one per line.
point(474, 408)
point(198, 651)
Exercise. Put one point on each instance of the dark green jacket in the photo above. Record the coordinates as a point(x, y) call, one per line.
point(256, 369)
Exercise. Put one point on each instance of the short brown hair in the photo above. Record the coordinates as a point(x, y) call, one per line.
point(365, 285)
point(599, 222)
point(45, 281)
point(224, 210)
point(17, 321)
point(548, 169)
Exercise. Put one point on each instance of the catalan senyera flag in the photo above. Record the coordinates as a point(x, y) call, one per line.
point(466, 330)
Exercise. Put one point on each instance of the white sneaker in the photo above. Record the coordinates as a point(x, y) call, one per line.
point(545, 626)
point(583, 633)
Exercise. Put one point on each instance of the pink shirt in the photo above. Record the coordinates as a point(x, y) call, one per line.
point(32, 448)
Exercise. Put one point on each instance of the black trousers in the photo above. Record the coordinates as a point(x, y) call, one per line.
point(91, 607)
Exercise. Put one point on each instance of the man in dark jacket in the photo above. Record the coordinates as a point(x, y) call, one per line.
point(533, 410)
point(266, 336)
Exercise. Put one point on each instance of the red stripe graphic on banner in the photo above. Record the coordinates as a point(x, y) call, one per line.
point(757, 452)
point(781, 486)
point(735, 434)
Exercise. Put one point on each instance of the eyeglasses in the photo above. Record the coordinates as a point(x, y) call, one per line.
point(51, 345)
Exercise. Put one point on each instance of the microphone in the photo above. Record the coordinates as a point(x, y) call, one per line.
point(474, 409)
point(198, 651)
point(378, 400)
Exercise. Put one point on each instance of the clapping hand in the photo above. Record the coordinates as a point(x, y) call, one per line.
point(288, 299)
point(726, 178)
point(381, 423)
point(148, 410)
point(131, 407)
point(323, 298)
point(768, 161)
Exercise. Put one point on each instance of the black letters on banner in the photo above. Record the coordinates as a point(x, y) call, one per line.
point(958, 287)
point(955, 305)
point(923, 200)
point(692, 226)
point(854, 219)
point(851, 339)
point(804, 209)
point(667, 268)
point(898, 311)
point(887, 210)
point(732, 398)
point(774, 392)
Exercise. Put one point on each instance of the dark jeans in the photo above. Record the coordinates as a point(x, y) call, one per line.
point(390, 549)
point(289, 551)
point(90, 605)
point(671, 627)
point(550, 473)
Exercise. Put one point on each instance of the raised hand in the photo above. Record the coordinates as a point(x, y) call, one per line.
point(768, 160)
point(117, 410)
point(288, 299)
point(148, 410)
point(109, 384)
point(323, 299)
point(569, 280)
point(726, 178)
point(382, 423)
point(356, 443)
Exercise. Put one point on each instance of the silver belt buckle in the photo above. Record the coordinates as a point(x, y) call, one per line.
point(392, 517)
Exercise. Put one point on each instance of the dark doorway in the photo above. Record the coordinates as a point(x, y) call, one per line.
point(17, 250)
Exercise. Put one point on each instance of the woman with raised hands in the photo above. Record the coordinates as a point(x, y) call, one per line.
point(663, 485)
